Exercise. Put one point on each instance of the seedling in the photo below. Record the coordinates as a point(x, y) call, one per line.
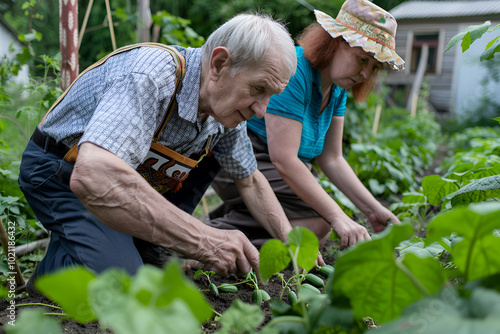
point(258, 295)
point(224, 287)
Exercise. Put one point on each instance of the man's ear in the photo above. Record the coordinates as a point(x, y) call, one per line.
point(220, 62)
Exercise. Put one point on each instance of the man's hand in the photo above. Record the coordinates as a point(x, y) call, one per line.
point(227, 252)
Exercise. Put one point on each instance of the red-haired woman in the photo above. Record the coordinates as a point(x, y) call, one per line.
point(305, 122)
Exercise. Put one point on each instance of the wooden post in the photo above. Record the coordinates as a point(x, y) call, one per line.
point(11, 256)
point(110, 24)
point(376, 120)
point(68, 41)
point(417, 83)
point(144, 20)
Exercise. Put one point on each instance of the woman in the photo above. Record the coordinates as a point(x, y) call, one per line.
point(306, 121)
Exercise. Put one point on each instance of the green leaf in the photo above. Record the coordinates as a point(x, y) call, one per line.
point(435, 188)
point(306, 243)
point(33, 321)
point(68, 288)
point(496, 119)
point(491, 48)
point(448, 313)
point(468, 35)
point(273, 258)
point(476, 255)
point(377, 284)
point(241, 318)
point(155, 301)
point(481, 190)
point(3, 292)
point(420, 250)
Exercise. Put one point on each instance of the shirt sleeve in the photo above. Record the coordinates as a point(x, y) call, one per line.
point(341, 101)
point(125, 118)
point(132, 106)
point(234, 152)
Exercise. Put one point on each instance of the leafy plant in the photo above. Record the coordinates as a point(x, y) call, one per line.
point(154, 300)
point(471, 34)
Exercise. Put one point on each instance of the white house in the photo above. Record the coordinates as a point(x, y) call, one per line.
point(7, 37)
point(454, 77)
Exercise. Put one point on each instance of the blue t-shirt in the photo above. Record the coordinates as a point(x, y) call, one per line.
point(301, 101)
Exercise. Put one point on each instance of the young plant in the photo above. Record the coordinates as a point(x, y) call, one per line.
point(258, 295)
point(208, 275)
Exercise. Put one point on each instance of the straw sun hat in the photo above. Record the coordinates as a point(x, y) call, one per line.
point(362, 23)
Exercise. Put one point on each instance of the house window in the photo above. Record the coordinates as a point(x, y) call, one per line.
point(419, 39)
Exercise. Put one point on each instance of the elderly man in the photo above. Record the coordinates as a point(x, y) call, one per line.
point(102, 164)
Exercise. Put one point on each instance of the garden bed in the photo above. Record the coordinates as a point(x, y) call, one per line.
point(220, 303)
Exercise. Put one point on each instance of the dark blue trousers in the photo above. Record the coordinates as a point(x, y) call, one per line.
point(77, 237)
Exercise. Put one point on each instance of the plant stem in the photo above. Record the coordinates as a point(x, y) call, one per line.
point(290, 318)
point(58, 314)
point(40, 304)
point(412, 278)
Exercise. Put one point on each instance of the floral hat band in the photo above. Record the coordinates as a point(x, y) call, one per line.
point(364, 24)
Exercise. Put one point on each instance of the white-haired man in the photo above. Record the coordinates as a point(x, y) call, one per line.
point(104, 167)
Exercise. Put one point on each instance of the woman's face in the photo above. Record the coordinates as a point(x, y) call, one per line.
point(351, 66)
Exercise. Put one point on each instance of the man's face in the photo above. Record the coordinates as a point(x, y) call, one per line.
point(234, 99)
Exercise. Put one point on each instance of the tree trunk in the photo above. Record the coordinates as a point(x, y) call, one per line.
point(68, 40)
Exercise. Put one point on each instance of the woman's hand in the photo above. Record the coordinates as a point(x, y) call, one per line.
point(380, 218)
point(349, 231)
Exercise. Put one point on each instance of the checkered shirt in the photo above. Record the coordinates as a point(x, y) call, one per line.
point(119, 105)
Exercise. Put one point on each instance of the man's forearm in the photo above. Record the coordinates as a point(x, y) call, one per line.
point(263, 205)
point(120, 198)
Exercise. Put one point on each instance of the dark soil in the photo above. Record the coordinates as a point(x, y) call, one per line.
point(219, 303)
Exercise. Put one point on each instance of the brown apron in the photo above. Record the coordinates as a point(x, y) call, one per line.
point(163, 168)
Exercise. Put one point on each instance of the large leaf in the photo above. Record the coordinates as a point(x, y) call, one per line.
point(435, 188)
point(468, 36)
point(447, 313)
point(241, 318)
point(155, 301)
point(378, 284)
point(476, 255)
point(33, 321)
point(68, 288)
point(305, 243)
point(479, 190)
point(273, 258)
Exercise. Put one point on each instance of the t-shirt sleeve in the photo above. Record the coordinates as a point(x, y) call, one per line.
point(341, 100)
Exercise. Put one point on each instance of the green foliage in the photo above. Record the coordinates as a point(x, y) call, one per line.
point(471, 34)
point(153, 301)
point(476, 254)
point(233, 323)
point(471, 175)
point(34, 321)
point(447, 312)
point(176, 30)
point(379, 285)
point(301, 248)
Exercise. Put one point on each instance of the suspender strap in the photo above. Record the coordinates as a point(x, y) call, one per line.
point(180, 71)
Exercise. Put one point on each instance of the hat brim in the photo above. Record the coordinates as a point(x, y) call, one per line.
point(381, 52)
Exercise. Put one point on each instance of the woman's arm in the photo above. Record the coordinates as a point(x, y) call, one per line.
point(283, 135)
point(336, 168)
